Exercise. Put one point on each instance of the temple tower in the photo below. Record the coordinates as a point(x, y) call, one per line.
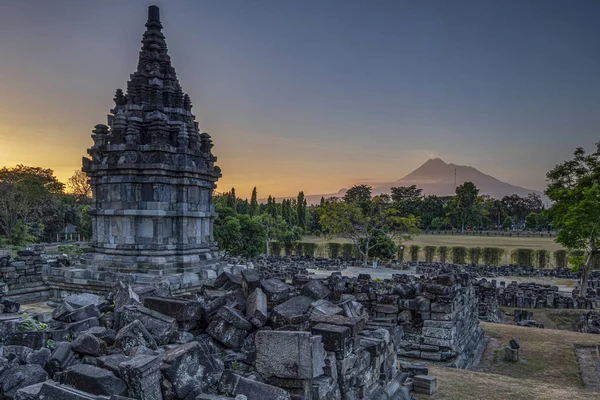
point(152, 173)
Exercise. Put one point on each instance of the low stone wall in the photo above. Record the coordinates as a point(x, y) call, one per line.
point(25, 276)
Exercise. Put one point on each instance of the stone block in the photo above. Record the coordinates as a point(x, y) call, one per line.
point(81, 313)
point(189, 369)
point(250, 281)
point(83, 299)
point(160, 326)
point(181, 310)
point(315, 289)
point(510, 354)
point(256, 308)
point(92, 379)
point(326, 308)
point(89, 344)
point(229, 327)
point(20, 376)
point(61, 358)
point(133, 335)
point(336, 338)
point(292, 312)
point(234, 384)
point(295, 355)
point(142, 376)
point(424, 384)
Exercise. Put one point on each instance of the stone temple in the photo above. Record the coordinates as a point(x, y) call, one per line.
point(152, 174)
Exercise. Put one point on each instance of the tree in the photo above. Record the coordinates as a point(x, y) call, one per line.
point(254, 210)
point(508, 223)
point(383, 248)
point(430, 207)
point(27, 194)
point(403, 193)
point(301, 211)
point(358, 194)
point(232, 200)
point(574, 187)
point(274, 227)
point(361, 222)
point(463, 210)
point(79, 185)
point(532, 220)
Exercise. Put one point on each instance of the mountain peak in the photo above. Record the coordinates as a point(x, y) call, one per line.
point(435, 161)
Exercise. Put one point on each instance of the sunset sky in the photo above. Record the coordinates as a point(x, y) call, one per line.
point(316, 95)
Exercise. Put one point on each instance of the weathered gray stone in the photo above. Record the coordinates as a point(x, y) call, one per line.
point(61, 358)
point(89, 344)
point(83, 299)
point(315, 290)
point(295, 355)
point(292, 312)
point(234, 384)
point(324, 307)
point(229, 327)
point(95, 380)
point(20, 376)
point(81, 313)
point(256, 308)
point(142, 376)
point(160, 326)
point(133, 335)
point(39, 357)
point(190, 369)
point(181, 310)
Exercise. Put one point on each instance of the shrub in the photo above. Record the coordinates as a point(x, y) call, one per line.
point(542, 258)
point(288, 248)
point(309, 248)
point(429, 253)
point(474, 255)
point(349, 251)
point(414, 252)
point(492, 255)
point(576, 259)
point(443, 252)
point(560, 256)
point(401, 253)
point(31, 325)
point(70, 249)
point(459, 255)
point(275, 248)
point(334, 249)
point(523, 257)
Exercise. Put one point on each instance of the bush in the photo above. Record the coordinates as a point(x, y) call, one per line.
point(492, 255)
point(523, 257)
point(542, 258)
point(459, 255)
point(414, 252)
point(349, 251)
point(276, 248)
point(70, 249)
point(576, 259)
point(309, 248)
point(401, 253)
point(560, 256)
point(429, 253)
point(334, 249)
point(443, 252)
point(474, 255)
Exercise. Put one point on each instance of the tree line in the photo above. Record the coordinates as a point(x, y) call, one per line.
point(36, 207)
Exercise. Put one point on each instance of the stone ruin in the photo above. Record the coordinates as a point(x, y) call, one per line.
point(152, 174)
point(241, 335)
point(492, 271)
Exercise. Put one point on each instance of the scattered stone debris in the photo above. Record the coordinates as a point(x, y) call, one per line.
point(334, 338)
point(588, 323)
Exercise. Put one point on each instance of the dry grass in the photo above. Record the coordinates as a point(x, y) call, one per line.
point(546, 355)
point(459, 384)
point(547, 369)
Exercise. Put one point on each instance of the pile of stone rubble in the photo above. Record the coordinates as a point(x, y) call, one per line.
point(493, 271)
point(241, 336)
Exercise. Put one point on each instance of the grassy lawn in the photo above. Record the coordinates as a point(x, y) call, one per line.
point(547, 368)
point(508, 243)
